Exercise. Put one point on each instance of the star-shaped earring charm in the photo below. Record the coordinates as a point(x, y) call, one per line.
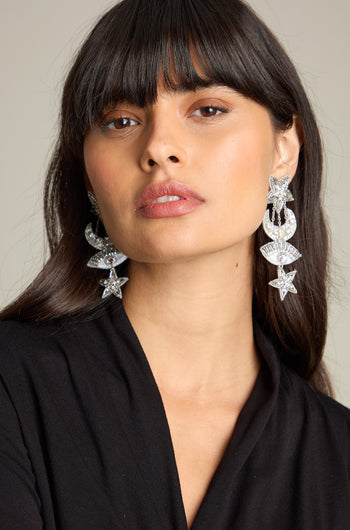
point(279, 193)
point(113, 285)
point(284, 283)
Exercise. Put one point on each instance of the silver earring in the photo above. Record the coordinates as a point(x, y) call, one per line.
point(94, 204)
point(108, 256)
point(279, 252)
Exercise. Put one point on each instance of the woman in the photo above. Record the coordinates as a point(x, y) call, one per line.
point(198, 400)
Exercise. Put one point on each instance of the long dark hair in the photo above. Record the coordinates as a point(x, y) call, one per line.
point(130, 47)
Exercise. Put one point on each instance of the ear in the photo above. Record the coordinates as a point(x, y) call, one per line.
point(288, 144)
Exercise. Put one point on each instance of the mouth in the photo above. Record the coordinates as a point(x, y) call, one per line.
point(167, 199)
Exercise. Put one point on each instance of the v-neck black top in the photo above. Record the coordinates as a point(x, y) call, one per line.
point(85, 443)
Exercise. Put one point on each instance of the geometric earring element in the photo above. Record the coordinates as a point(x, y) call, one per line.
point(279, 252)
point(108, 256)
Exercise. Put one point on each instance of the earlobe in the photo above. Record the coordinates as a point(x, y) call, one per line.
point(288, 144)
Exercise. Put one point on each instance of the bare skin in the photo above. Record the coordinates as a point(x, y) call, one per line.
point(189, 297)
point(205, 367)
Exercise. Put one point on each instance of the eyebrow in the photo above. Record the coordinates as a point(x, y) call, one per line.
point(188, 90)
point(179, 89)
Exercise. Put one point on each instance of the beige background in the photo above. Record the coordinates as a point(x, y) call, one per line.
point(37, 40)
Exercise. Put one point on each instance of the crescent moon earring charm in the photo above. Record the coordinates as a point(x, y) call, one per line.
point(279, 252)
point(108, 256)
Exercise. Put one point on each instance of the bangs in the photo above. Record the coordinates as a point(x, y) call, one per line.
point(187, 44)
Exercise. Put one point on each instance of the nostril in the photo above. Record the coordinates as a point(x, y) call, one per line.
point(172, 158)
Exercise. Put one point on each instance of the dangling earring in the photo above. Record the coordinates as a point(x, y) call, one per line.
point(279, 252)
point(108, 257)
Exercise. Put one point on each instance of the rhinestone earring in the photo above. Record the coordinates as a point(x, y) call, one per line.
point(108, 256)
point(279, 252)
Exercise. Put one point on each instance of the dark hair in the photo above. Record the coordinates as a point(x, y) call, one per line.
point(130, 47)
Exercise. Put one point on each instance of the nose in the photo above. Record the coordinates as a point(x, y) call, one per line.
point(164, 147)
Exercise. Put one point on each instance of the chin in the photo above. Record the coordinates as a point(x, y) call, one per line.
point(163, 246)
point(164, 255)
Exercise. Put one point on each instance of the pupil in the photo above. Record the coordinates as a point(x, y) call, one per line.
point(208, 110)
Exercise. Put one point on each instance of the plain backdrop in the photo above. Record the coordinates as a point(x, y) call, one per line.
point(37, 41)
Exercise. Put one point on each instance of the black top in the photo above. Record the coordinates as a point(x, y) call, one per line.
point(85, 444)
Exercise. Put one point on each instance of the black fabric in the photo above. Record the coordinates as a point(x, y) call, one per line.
point(85, 444)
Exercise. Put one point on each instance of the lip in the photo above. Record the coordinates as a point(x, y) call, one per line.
point(191, 200)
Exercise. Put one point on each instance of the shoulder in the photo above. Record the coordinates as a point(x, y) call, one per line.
point(21, 341)
point(305, 393)
point(24, 345)
point(317, 414)
point(298, 403)
point(39, 360)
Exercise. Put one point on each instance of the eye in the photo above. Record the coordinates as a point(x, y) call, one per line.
point(120, 123)
point(208, 111)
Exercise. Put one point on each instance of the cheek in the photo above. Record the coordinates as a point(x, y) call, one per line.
point(244, 166)
point(99, 169)
point(243, 171)
point(98, 165)
point(105, 175)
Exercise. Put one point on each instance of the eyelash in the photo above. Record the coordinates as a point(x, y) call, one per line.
point(108, 124)
point(112, 124)
point(217, 110)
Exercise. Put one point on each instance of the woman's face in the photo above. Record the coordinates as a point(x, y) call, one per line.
point(185, 176)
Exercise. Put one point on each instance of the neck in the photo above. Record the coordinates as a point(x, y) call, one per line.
point(194, 321)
